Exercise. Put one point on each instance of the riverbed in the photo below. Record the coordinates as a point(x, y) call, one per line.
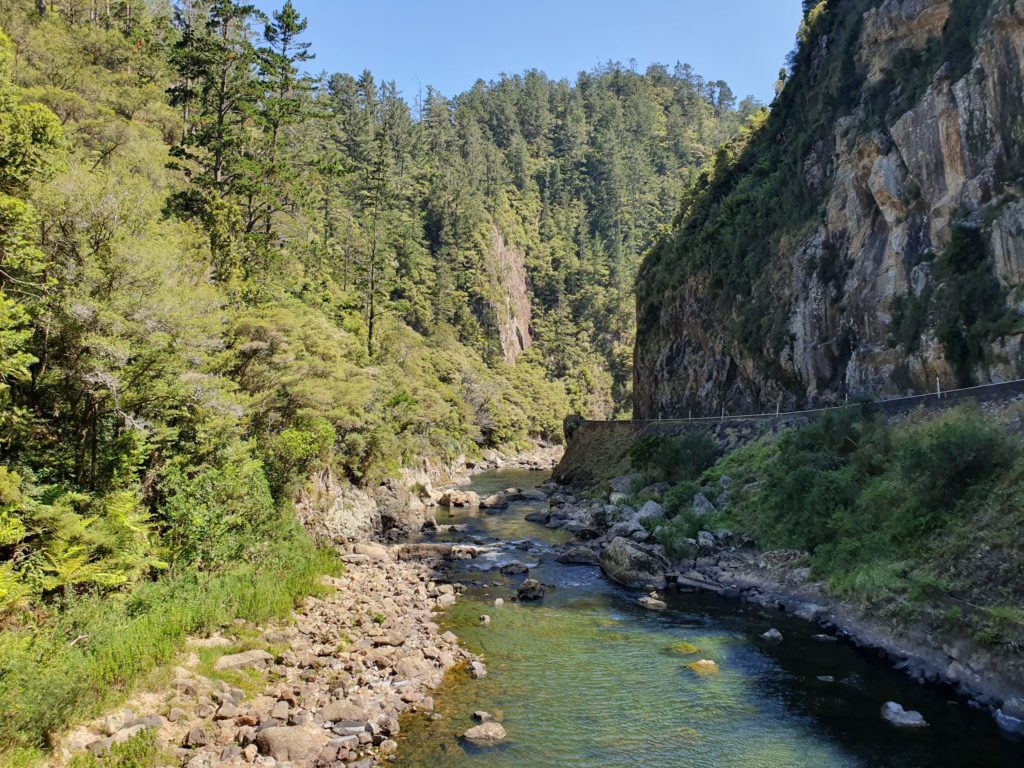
point(588, 678)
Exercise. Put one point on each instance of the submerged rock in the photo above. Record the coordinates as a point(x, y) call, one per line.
point(703, 667)
point(486, 734)
point(896, 715)
point(531, 589)
point(683, 647)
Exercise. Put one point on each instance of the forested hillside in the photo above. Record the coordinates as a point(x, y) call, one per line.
point(219, 274)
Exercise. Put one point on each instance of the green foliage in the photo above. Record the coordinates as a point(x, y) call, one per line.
point(140, 751)
point(674, 459)
point(963, 303)
point(72, 666)
point(865, 499)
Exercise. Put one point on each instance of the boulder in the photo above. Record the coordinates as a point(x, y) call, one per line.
point(495, 501)
point(625, 483)
point(457, 498)
point(254, 658)
point(514, 569)
point(615, 497)
point(578, 555)
point(634, 565)
point(896, 715)
point(651, 510)
point(375, 552)
point(652, 603)
point(287, 743)
point(342, 709)
point(531, 589)
point(485, 734)
point(537, 517)
point(705, 541)
point(477, 670)
point(533, 494)
point(654, 491)
point(772, 636)
point(626, 530)
point(414, 665)
point(702, 507)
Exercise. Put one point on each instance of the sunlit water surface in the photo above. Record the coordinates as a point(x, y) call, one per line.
point(589, 679)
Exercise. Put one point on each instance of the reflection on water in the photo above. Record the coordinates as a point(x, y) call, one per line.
point(588, 678)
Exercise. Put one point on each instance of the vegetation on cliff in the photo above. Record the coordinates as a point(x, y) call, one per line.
point(755, 211)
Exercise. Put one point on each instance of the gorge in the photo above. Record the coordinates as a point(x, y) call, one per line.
point(341, 427)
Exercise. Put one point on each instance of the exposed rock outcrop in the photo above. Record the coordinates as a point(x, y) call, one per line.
point(926, 148)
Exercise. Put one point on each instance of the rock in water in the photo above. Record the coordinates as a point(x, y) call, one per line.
point(703, 667)
point(634, 565)
point(495, 501)
point(652, 603)
point(531, 589)
point(772, 636)
point(896, 715)
point(514, 569)
point(578, 555)
point(486, 734)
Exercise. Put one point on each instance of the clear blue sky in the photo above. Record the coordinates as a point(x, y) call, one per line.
point(451, 43)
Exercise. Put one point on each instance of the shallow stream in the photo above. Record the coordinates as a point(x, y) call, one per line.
point(587, 678)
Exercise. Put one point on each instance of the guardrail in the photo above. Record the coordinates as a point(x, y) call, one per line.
point(981, 393)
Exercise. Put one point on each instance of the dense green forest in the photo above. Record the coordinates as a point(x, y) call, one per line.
point(218, 272)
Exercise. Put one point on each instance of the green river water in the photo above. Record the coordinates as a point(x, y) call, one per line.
point(587, 678)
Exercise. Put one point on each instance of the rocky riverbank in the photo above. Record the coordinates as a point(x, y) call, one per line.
point(610, 532)
point(326, 688)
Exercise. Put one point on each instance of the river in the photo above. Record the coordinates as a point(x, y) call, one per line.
point(587, 678)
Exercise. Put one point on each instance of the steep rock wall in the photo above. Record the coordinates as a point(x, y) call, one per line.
point(898, 140)
point(513, 309)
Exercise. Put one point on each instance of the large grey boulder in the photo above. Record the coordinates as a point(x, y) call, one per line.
point(495, 501)
point(635, 565)
point(625, 483)
point(701, 506)
point(651, 510)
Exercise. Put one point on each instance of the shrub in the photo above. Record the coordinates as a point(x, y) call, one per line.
point(673, 459)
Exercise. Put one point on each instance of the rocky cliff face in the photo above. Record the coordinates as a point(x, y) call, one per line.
point(512, 308)
point(868, 240)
